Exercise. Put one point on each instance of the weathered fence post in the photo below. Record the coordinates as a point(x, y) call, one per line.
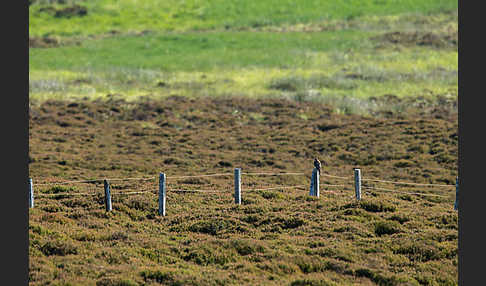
point(107, 195)
point(31, 194)
point(314, 185)
point(238, 186)
point(457, 191)
point(357, 183)
point(162, 194)
point(311, 189)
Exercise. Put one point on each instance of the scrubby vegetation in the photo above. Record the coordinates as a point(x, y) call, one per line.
point(276, 237)
point(129, 89)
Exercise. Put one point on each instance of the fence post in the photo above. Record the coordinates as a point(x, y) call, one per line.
point(31, 194)
point(357, 183)
point(107, 195)
point(457, 191)
point(238, 186)
point(162, 194)
point(311, 189)
point(314, 185)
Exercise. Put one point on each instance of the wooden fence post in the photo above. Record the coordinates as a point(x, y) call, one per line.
point(311, 189)
point(162, 194)
point(457, 191)
point(357, 183)
point(107, 195)
point(238, 186)
point(31, 194)
point(314, 185)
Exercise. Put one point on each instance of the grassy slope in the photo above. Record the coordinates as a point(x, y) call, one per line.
point(327, 57)
point(126, 15)
point(195, 51)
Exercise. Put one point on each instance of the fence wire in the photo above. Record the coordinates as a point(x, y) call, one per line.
point(134, 192)
point(337, 177)
point(277, 188)
point(93, 181)
point(198, 176)
point(273, 174)
point(42, 195)
point(408, 183)
point(196, 191)
point(401, 192)
point(175, 190)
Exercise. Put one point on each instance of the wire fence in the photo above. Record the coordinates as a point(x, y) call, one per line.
point(353, 182)
point(248, 174)
point(407, 183)
point(401, 192)
point(93, 181)
point(200, 176)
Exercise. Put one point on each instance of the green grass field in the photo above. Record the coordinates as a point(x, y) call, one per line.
point(403, 48)
point(190, 15)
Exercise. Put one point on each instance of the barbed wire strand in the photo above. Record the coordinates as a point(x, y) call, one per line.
point(198, 191)
point(91, 181)
point(129, 179)
point(275, 188)
point(197, 176)
point(273, 174)
point(341, 190)
point(407, 183)
point(65, 182)
point(401, 192)
point(132, 193)
point(330, 192)
point(337, 177)
point(329, 185)
point(68, 194)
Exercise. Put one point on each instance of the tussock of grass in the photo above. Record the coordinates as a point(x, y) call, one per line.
point(158, 276)
point(377, 206)
point(419, 251)
point(212, 227)
point(310, 282)
point(386, 228)
point(247, 247)
point(60, 248)
point(400, 218)
point(115, 282)
point(203, 255)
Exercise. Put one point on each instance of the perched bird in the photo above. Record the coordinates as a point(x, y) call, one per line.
point(317, 164)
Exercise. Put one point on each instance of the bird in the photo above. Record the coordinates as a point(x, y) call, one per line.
point(317, 164)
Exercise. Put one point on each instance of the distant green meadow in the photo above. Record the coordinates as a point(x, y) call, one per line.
point(249, 48)
point(172, 15)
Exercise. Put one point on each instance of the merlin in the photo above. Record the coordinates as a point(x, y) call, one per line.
point(317, 164)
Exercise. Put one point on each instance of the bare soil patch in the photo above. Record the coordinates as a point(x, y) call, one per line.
point(437, 40)
point(50, 42)
point(65, 11)
point(71, 11)
point(43, 42)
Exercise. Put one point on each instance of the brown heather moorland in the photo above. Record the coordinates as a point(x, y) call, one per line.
point(280, 236)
